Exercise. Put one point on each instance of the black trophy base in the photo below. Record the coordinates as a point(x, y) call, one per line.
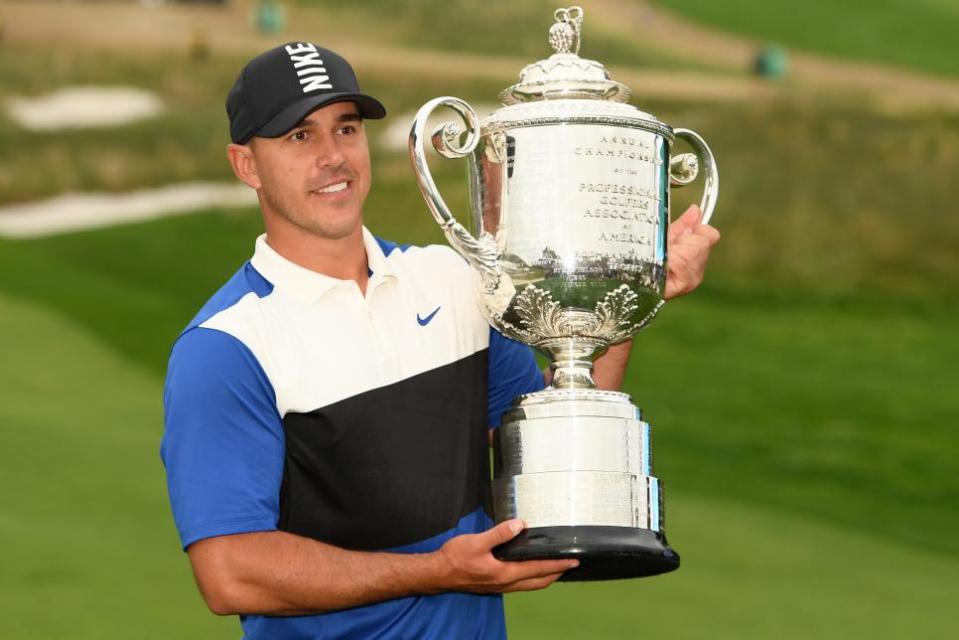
point(604, 553)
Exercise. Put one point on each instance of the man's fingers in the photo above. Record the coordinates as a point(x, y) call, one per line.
point(532, 569)
point(688, 242)
point(685, 222)
point(503, 532)
point(694, 239)
point(701, 235)
point(707, 231)
point(512, 572)
point(532, 584)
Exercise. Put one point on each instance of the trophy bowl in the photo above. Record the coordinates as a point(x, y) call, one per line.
point(569, 198)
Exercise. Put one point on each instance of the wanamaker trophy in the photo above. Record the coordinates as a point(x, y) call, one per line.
point(569, 190)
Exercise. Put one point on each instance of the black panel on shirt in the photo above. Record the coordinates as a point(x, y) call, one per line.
point(391, 466)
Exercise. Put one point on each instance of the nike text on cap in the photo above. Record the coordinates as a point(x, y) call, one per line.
point(277, 89)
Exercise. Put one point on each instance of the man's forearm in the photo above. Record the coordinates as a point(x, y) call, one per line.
point(279, 573)
point(610, 368)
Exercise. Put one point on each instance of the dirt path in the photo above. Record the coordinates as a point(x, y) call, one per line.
point(886, 86)
point(128, 26)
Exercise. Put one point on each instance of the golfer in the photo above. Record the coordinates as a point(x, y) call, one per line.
point(327, 410)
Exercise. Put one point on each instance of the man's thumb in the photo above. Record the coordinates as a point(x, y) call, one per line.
point(503, 532)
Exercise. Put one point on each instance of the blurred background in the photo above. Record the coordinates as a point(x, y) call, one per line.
point(804, 401)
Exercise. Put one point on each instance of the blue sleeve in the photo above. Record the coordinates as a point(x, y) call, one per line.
point(223, 443)
point(512, 372)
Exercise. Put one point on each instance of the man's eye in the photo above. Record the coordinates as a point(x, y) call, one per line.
point(348, 129)
point(299, 136)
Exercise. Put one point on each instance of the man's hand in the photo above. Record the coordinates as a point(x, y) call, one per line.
point(688, 245)
point(472, 566)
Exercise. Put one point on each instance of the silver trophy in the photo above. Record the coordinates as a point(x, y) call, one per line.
point(569, 193)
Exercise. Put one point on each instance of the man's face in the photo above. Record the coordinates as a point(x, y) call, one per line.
point(316, 176)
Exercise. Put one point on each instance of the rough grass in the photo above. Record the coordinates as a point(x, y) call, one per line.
point(187, 141)
point(920, 34)
point(817, 198)
point(492, 27)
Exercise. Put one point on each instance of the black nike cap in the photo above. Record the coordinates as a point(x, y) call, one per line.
point(280, 87)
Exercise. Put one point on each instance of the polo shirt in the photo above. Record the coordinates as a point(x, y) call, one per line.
point(294, 402)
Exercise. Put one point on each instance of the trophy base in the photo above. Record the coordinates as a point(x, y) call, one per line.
point(604, 553)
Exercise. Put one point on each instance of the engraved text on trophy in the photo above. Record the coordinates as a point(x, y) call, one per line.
point(586, 198)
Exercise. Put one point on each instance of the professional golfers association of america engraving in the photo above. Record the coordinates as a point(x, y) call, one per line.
point(570, 191)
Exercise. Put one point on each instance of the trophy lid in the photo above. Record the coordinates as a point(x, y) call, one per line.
point(564, 74)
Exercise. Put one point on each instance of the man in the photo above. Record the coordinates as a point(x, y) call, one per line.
point(326, 411)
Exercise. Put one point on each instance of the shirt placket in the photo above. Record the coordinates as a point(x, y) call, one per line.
point(376, 305)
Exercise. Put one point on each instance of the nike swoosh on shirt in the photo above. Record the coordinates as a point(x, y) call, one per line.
point(425, 321)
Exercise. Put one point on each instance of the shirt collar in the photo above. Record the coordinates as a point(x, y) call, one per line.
point(309, 285)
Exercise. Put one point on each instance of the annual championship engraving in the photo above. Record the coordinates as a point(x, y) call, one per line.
point(617, 183)
point(570, 210)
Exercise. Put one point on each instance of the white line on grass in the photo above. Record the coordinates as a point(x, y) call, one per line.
point(78, 211)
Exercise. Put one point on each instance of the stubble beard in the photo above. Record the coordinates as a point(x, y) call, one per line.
point(317, 225)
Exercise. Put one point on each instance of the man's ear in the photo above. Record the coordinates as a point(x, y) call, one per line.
point(244, 164)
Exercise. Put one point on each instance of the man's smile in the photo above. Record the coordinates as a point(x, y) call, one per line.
point(333, 188)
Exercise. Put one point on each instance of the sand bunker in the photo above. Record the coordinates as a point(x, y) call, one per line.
point(84, 107)
point(78, 211)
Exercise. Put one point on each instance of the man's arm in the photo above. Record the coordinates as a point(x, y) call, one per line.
point(278, 573)
point(688, 246)
point(224, 455)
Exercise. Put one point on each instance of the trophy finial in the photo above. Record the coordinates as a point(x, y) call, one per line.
point(564, 35)
point(564, 75)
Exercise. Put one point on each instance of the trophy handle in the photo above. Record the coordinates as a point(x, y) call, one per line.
point(684, 168)
point(482, 253)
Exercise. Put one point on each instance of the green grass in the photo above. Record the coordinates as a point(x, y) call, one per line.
point(918, 34)
point(753, 573)
point(841, 413)
point(795, 512)
point(90, 550)
point(830, 398)
point(786, 421)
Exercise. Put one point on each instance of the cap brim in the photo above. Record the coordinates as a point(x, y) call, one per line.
point(289, 117)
